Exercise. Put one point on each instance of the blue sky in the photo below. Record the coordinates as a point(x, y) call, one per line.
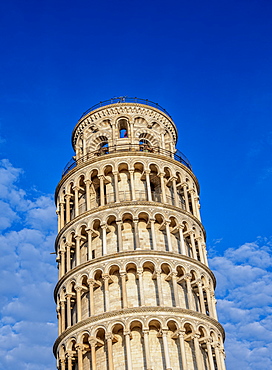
point(208, 64)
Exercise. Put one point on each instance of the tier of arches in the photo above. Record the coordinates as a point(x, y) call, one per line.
point(124, 129)
point(129, 231)
point(122, 181)
point(139, 344)
point(133, 285)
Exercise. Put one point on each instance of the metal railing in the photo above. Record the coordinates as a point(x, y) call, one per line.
point(178, 156)
point(125, 99)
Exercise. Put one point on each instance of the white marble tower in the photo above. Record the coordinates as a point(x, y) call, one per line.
point(135, 291)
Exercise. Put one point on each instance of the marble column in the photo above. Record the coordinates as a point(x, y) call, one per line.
point(147, 350)
point(142, 295)
point(166, 349)
point(123, 275)
point(104, 239)
point(153, 234)
point(116, 188)
point(147, 176)
point(78, 302)
point(128, 350)
point(182, 349)
point(110, 352)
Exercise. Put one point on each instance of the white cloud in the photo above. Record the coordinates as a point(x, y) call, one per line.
point(244, 296)
point(28, 325)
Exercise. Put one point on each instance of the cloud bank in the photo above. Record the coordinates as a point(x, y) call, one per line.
point(28, 275)
point(28, 324)
point(244, 303)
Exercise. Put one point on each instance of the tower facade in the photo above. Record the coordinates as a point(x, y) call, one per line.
point(134, 291)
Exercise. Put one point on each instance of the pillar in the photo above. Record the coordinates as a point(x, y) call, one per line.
point(201, 297)
point(184, 186)
point(106, 291)
point(149, 195)
point(188, 278)
point(136, 233)
point(88, 195)
point(104, 239)
point(89, 246)
point(174, 182)
point(166, 349)
point(116, 188)
point(93, 352)
point(131, 176)
point(175, 287)
point(68, 210)
point(197, 351)
point(76, 189)
point(158, 274)
point(61, 215)
point(102, 193)
point(182, 349)
point(182, 245)
point(68, 310)
point(210, 355)
point(128, 350)
point(147, 350)
point(91, 284)
point(119, 235)
point(123, 275)
point(78, 302)
point(77, 237)
point(79, 348)
point(153, 234)
point(110, 353)
point(142, 295)
point(169, 242)
point(62, 314)
point(161, 175)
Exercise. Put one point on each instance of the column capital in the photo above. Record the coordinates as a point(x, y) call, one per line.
point(187, 276)
point(79, 346)
point(92, 341)
point(105, 277)
point(88, 181)
point(109, 336)
point(91, 281)
point(196, 335)
point(181, 332)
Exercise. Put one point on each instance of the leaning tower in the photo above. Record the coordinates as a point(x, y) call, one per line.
point(135, 291)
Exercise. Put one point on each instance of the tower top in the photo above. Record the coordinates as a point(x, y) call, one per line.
point(130, 108)
point(125, 99)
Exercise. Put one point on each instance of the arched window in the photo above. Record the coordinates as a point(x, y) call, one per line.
point(103, 145)
point(145, 145)
point(123, 128)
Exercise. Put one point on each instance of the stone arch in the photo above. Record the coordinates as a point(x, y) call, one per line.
point(115, 290)
point(151, 295)
point(137, 343)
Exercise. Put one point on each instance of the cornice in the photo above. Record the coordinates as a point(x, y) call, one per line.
point(138, 310)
